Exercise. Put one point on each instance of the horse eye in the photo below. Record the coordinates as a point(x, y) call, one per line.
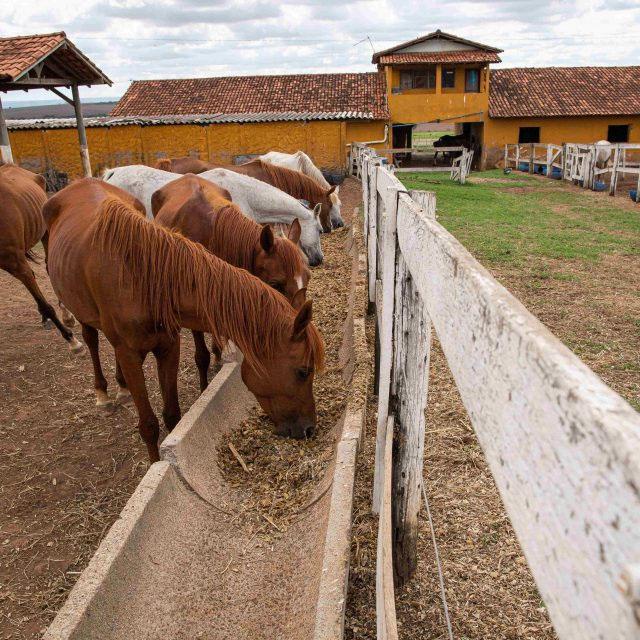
point(303, 374)
point(278, 286)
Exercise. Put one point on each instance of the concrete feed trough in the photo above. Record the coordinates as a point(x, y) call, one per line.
point(180, 563)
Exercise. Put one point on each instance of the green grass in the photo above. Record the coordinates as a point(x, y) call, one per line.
point(511, 218)
point(426, 138)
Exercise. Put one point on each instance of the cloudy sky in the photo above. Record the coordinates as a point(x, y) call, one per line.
point(142, 39)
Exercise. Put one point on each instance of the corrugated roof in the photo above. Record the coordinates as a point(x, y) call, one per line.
point(297, 96)
point(19, 54)
point(564, 91)
point(218, 118)
point(440, 57)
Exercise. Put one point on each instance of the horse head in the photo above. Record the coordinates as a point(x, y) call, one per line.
point(279, 263)
point(284, 388)
point(326, 208)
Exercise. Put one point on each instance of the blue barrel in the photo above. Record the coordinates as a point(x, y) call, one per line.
point(633, 194)
point(556, 173)
point(599, 186)
point(523, 166)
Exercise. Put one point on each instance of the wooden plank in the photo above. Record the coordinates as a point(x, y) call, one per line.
point(372, 235)
point(5, 146)
point(412, 347)
point(419, 150)
point(564, 449)
point(388, 186)
point(387, 627)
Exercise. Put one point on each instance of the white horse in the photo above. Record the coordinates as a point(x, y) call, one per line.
point(257, 200)
point(603, 153)
point(300, 161)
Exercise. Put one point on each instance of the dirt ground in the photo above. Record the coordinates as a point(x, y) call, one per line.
point(594, 308)
point(67, 468)
point(70, 469)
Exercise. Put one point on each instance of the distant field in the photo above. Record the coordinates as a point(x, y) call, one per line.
point(572, 256)
point(426, 138)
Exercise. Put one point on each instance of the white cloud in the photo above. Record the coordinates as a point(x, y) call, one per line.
point(135, 39)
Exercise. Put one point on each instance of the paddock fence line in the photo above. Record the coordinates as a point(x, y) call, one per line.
point(578, 163)
point(563, 448)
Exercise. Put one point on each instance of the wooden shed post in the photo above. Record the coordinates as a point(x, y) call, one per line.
point(82, 135)
point(5, 146)
point(412, 343)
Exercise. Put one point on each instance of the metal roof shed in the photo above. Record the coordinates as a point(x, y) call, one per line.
point(52, 62)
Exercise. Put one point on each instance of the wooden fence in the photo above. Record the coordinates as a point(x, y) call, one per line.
point(577, 163)
point(563, 448)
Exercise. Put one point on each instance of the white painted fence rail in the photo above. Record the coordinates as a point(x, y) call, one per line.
point(564, 449)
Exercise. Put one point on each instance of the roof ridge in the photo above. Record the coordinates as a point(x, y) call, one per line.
point(35, 35)
point(262, 75)
point(578, 66)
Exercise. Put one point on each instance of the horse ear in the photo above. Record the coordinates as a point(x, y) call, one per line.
point(294, 231)
point(299, 298)
point(267, 241)
point(331, 190)
point(157, 200)
point(305, 314)
point(317, 209)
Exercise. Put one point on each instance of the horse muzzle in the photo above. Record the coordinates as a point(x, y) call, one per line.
point(298, 429)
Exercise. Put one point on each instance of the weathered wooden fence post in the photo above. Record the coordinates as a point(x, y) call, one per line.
point(389, 195)
point(412, 348)
point(532, 152)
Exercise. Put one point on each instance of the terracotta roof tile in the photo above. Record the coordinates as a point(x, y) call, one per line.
point(20, 53)
point(334, 93)
point(564, 91)
point(435, 57)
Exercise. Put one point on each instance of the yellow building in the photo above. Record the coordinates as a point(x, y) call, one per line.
point(438, 77)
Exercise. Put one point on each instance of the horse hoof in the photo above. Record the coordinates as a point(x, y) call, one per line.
point(105, 406)
point(124, 397)
point(47, 324)
point(75, 346)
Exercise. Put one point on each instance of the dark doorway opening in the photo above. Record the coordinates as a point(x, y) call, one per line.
point(618, 133)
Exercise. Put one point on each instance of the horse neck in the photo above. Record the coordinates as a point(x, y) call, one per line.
point(236, 306)
point(234, 237)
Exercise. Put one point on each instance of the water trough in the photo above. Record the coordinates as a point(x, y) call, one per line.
point(179, 563)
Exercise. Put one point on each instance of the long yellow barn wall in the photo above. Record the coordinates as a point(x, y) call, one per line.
point(425, 105)
point(501, 131)
point(324, 141)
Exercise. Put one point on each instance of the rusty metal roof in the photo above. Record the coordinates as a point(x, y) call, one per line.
point(217, 118)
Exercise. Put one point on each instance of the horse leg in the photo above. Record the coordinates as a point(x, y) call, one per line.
point(92, 340)
point(123, 396)
point(203, 358)
point(24, 273)
point(168, 359)
point(67, 317)
point(148, 426)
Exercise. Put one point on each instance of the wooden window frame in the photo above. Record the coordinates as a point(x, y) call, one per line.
point(446, 70)
point(466, 80)
point(426, 72)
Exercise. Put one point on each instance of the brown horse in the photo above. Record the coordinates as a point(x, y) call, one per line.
point(139, 283)
point(202, 212)
point(295, 183)
point(183, 165)
point(22, 195)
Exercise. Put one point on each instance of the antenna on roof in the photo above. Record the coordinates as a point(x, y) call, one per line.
point(367, 39)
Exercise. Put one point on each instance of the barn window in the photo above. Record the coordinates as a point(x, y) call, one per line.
point(448, 78)
point(618, 133)
point(529, 134)
point(418, 78)
point(472, 80)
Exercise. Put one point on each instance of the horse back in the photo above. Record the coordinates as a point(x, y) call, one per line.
point(23, 195)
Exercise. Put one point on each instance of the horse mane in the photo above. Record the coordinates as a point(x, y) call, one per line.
point(164, 164)
point(234, 237)
point(293, 182)
point(164, 268)
point(311, 170)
